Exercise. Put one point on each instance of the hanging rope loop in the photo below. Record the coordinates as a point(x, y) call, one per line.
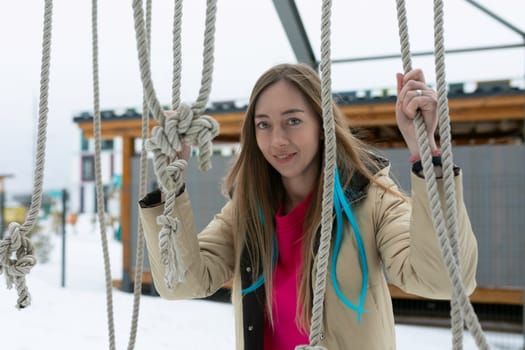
point(17, 245)
point(187, 125)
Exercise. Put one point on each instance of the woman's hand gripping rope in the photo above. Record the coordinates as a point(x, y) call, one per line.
point(173, 142)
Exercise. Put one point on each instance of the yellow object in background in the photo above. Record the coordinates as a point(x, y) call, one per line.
point(17, 214)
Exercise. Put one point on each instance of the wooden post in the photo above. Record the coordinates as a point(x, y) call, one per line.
point(128, 150)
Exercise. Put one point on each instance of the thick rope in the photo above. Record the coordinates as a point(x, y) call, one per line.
point(464, 306)
point(16, 250)
point(316, 326)
point(100, 194)
point(98, 176)
point(448, 171)
point(139, 264)
point(447, 235)
point(185, 126)
point(177, 55)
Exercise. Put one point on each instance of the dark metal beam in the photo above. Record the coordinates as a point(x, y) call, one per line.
point(497, 18)
point(428, 53)
point(294, 28)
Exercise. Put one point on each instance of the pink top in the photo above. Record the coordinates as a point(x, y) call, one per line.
point(289, 231)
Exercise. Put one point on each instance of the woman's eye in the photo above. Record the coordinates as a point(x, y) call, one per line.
point(294, 121)
point(261, 125)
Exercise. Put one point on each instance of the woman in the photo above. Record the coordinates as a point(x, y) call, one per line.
point(266, 236)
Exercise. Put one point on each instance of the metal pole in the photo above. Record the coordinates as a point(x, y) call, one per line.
point(64, 202)
point(295, 31)
point(497, 18)
point(428, 53)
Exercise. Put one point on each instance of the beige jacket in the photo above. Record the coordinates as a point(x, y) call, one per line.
point(400, 245)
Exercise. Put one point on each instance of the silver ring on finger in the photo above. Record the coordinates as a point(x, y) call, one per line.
point(419, 92)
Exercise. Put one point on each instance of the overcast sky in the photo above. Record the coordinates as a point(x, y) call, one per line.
point(249, 39)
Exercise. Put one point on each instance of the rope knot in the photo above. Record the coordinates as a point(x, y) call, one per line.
point(185, 118)
point(164, 143)
point(168, 222)
point(175, 170)
point(13, 241)
point(166, 138)
point(170, 250)
point(202, 131)
point(16, 261)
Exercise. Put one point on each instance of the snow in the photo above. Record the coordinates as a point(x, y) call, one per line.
point(74, 317)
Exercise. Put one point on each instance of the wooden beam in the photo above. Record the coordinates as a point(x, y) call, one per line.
point(471, 109)
point(366, 115)
point(112, 128)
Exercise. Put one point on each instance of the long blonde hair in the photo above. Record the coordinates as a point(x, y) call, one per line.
point(256, 188)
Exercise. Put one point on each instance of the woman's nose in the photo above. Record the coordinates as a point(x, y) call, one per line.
point(279, 137)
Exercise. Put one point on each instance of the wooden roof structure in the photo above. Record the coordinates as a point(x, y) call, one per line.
point(494, 113)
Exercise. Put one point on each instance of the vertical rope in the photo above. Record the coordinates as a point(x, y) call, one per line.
point(458, 293)
point(139, 264)
point(448, 171)
point(461, 305)
point(98, 176)
point(177, 53)
point(166, 240)
point(323, 254)
point(145, 71)
point(207, 58)
point(16, 242)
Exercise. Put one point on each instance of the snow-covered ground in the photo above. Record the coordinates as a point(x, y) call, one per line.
point(74, 317)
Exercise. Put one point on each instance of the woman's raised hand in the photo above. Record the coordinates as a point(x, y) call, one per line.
point(414, 95)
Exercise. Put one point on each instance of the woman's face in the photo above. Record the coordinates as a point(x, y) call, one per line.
point(288, 133)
